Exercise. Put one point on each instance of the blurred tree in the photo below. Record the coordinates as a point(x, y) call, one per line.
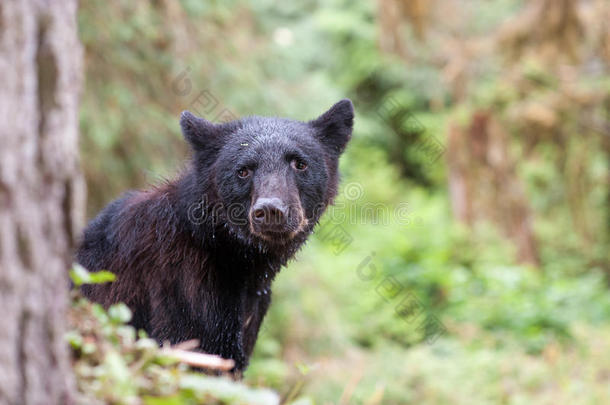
point(547, 29)
point(483, 182)
point(41, 195)
point(392, 13)
point(549, 52)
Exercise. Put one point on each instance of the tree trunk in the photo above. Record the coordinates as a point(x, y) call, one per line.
point(483, 183)
point(41, 195)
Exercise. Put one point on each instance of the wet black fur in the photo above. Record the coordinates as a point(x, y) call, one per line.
point(186, 261)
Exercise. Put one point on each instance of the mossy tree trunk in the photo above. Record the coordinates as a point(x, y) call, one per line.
point(41, 195)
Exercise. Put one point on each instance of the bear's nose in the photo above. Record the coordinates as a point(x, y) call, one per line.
point(269, 211)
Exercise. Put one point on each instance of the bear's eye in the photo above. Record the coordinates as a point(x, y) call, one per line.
point(298, 164)
point(244, 172)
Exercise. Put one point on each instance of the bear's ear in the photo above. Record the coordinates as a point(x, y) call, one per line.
point(334, 127)
point(197, 131)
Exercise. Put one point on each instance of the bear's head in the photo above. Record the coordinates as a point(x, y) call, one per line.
point(272, 178)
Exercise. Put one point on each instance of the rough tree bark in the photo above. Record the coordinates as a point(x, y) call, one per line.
point(41, 195)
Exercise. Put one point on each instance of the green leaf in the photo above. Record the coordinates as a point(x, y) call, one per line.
point(119, 313)
point(102, 276)
point(79, 276)
point(173, 400)
point(75, 339)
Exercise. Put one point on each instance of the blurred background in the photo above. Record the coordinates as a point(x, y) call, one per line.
point(467, 260)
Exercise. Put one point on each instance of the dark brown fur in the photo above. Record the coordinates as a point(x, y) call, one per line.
point(210, 280)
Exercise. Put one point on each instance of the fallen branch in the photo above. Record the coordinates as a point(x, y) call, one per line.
point(203, 360)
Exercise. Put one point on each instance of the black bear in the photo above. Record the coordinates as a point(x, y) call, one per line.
point(195, 257)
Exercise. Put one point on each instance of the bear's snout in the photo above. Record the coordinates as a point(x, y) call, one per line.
point(273, 219)
point(269, 212)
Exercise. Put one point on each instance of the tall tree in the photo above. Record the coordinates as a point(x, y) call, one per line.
point(41, 195)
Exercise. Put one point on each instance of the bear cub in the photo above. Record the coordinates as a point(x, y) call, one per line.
point(195, 257)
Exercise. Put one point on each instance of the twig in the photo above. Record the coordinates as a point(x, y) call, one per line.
point(203, 360)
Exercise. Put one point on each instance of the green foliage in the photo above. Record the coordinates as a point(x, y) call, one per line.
point(114, 364)
point(79, 276)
